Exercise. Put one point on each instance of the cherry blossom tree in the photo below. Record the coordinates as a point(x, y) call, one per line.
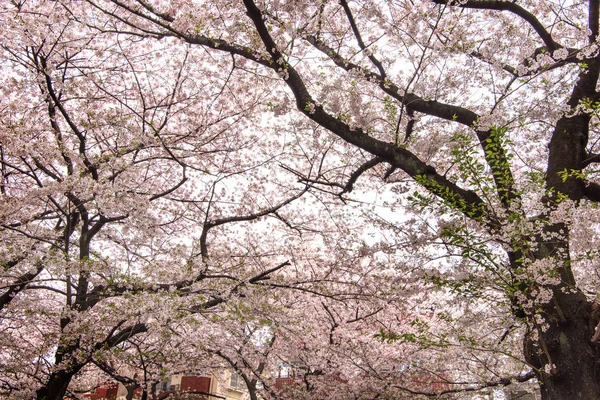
point(488, 106)
point(115, 174)
point(401, 195)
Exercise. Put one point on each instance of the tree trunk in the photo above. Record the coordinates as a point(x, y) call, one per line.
point(564, 355)
point(56, 387)
point(130, 391)
point(59, 381)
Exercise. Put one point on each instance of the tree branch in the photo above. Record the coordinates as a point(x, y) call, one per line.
point(356, 174)
point(466, 201)
point(114, 339)
point(358, 36)
point(18, 285)
point(593, 19)
point(493, 383)
point(208, 225)
point(592, 191)
point(512, 7)
point(257, 279)
point(494, 153)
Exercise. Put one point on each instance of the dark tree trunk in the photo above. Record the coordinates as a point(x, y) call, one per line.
point(565, 356)
point(59, 381)
point(56, 387)
point(130, 391)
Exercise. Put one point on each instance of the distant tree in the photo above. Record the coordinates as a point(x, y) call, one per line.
point(441, 155)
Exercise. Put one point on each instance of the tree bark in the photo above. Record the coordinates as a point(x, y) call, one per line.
point(564, 355)
point(57, 385)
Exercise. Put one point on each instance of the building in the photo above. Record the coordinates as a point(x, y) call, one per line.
point(225, 386)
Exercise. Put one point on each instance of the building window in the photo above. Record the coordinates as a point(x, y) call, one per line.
point(236, 382)
point(293, 369)
point(164, 386)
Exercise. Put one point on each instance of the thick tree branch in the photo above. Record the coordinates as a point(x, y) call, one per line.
point(494, 152)
point(592, 191)
point(190, 37)
point(590, 159)
point(115, 338)
point(568, 144)
point(359, 171)
point(18, 285)
point(101, 292)
point(466, 201)
point(56, 101)
point(512, 7)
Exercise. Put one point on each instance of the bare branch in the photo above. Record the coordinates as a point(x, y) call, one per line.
point(359, 39)
point(208, 225)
